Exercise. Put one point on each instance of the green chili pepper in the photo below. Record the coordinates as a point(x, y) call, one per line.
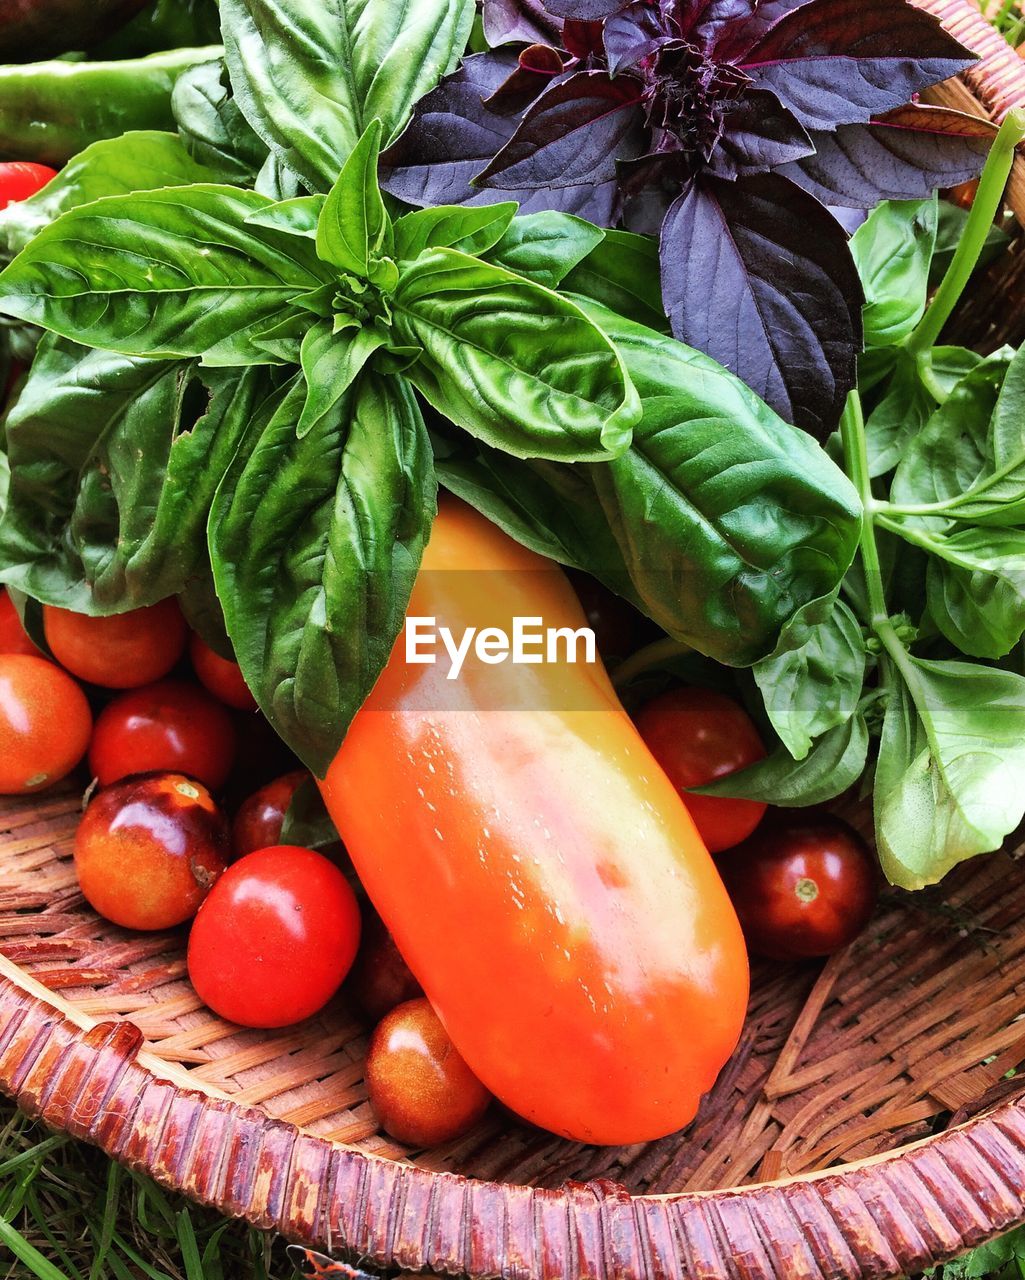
point(49, 111)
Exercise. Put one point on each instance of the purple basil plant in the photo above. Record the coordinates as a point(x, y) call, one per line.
point(726, 128)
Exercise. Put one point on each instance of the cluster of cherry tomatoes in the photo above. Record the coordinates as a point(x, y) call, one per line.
point(275, 929)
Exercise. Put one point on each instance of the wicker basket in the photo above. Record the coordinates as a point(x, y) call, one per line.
point(868, 1125)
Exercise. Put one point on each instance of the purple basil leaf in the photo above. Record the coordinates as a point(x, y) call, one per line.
point(568, 142)
point(904, 156)
point(838, 62)
point(730, 28)
point(759, 134)
point(648, 187)
point(584, 10)
point(582, 39)
point(538, 66)
point(520, 22)
point(633, 35)
point(452, 136)
point(758, 275)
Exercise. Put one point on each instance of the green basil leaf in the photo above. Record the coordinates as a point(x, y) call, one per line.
point(141, 161)
point(951, 461)
point(213, 130)
point(976, 589)
point(835, 762)
point(361, 60)
point(472, 231)
point(900, 414)
point(307, 822)
point(297, 217)
point(354, 223)
point(623, 273)
point(545, 247)
point(511, 362)
point(950, 227)
point(331, 363)
point(951, 759)
point(166, 273)
point(813, 681)
point(315, 546)
point(892, 250)
point(88, 528)
point(719, 521)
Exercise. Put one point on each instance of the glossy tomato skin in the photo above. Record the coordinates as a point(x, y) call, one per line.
point(536, 868)
point(20, 179)
point(124, 651)
point(380, 978)
point(698, 735)
point(260, 818)
point(148, 850)
point(220, 676)
point(274, 940)
point(803, 886)
point(422, 1091)
point(167, 727)
point(45, 723)
point(13, 636)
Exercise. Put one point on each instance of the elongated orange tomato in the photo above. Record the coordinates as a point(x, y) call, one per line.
point(539, 873)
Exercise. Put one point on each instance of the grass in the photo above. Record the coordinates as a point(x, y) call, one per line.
point(1008, 17)
point(67, 1213)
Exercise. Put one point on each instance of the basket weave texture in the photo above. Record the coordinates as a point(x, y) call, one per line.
point(868, 1125)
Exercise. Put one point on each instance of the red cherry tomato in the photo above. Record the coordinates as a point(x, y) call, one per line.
point(259, 820)
point(697, 735)
point(803, 886)
point(274, 940)
point(420, 1088)
point(20, 179)
point(124, 651)
point(380, 978)
point(149, 850)
point(45, 724)
point(167, 727)
point(13, 636)
point(222, 677)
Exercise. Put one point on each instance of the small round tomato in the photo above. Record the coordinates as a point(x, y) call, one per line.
point(802, 886)
point(167, 727)
point(148, 851)
point(45, 723)
point(274, 940)
point(20, 179)
point(13, 636)
point(697, 735)
point(422, 1091)
point(124, 651)
point(380, 978)
point(222, 677)
point(613, 621)
point(259, 820)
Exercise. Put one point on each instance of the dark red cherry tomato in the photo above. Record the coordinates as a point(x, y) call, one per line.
point(380, 978)
point(20, 179)
point(13, 636)
point(167, 727)
point(259, 820)
point(613, 621)
point(802, 886)
point(698, 735)
point(124, 651)
point(274, 940)
point(45, 723)
point(222, 677)
point(420, 1088)
point(148, 851)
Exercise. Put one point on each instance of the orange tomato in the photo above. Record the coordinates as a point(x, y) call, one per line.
point(13, 636)
point(45, 723)
point(124, 651)
point(220, 676)
point(537, 870)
